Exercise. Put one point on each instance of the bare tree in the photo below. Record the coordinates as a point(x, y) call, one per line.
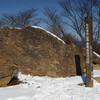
point(54, 22)
point(69, 38)
point(2, 22)
point(97, 25)
point(75, 12)
point(24, 18)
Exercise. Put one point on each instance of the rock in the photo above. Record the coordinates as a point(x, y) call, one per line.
point(96, 59)
point(6, 74)
point(34, 51)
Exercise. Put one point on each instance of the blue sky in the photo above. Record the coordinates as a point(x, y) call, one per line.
point(14, 6)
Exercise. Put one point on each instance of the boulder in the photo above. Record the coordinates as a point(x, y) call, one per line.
point(6, 74)
point(96, 58)
point(35, 51)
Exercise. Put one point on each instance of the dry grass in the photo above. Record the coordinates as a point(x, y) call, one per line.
point(81, 84)
point(96, 67)
point(97, 79)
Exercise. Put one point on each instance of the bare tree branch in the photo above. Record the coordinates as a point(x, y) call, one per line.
point(54, 22)
point(24, 18)
point(75, 12)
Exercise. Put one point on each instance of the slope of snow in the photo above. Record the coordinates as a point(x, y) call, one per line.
point(49, 33)
point(46, 88)
point(96, 54)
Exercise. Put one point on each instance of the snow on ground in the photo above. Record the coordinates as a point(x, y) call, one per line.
point(96, 73)
point(49, 33)
point(46, 88)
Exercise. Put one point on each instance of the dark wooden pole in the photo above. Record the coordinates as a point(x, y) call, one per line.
point(89, 51)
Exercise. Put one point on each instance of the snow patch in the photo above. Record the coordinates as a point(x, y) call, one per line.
point(47, 88)
point(96, 54)
point(96, 73)
point(17, 28)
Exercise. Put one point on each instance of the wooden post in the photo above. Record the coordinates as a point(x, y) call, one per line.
point(89, 52)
